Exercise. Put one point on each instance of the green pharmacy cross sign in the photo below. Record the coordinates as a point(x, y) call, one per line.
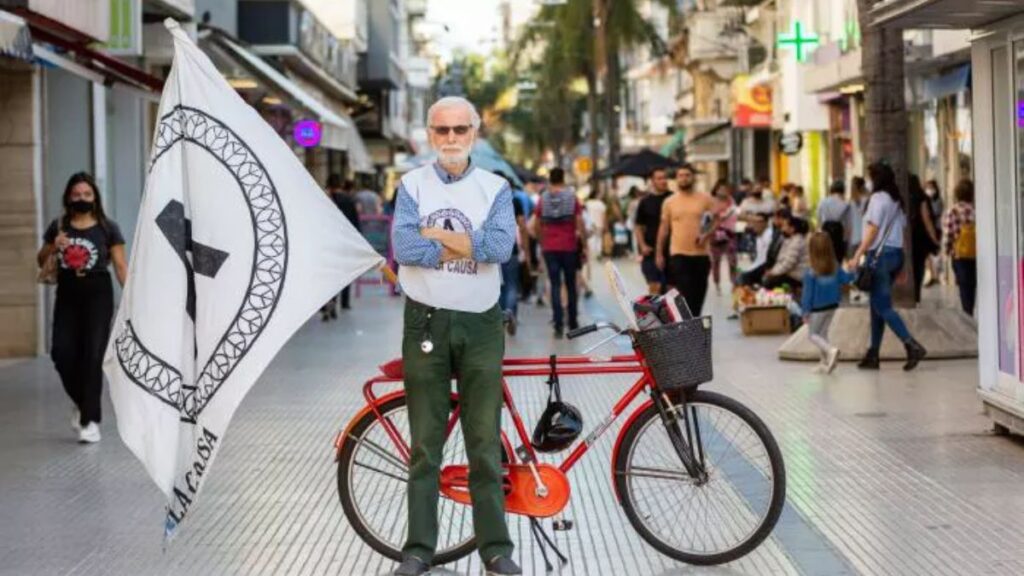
point(799, 41)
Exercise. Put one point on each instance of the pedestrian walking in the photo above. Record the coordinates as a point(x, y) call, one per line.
point(559, 226)
point(514, 267)
point(342, 194)
point(597, 218)
point(454, 227)
point(724, 243)
point(822, 292)
point(687, 223)
point(80, 246)
point(924, 233)
point(884, 224)
point(798, 204)
point(636, 194)
point(648, 220)
point(836, 216)
point(859, 197)
point(368, 202)
point(961, 244)
point(935, 265)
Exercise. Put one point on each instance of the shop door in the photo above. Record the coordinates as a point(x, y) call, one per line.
point(1008, 135)
point(1015, 265)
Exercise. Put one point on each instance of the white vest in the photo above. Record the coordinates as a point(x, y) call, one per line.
point(461, 206)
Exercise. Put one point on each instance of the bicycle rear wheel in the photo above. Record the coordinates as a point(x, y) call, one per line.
point(372, 481)
point(711, 522)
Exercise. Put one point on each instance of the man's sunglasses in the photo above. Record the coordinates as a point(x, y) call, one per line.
point(445, 130)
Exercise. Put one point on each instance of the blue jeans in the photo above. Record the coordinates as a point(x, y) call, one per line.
point(890, 263)
point(509, 299)
point(563, 265)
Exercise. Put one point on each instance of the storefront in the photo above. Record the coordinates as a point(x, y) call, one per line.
point(998, 59)
point(997, 65)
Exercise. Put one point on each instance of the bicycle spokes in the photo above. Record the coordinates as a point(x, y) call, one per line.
point(715, 511)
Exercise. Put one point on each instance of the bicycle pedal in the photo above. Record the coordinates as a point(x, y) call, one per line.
point(562, 525)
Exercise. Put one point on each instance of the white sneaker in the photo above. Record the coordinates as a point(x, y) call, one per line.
point(833, 358)
point(90, 434)
point(76, 419)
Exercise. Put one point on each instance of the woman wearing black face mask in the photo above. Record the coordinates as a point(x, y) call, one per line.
point(86, 242)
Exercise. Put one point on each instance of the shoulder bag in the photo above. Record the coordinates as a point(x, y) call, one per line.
point(866, 273)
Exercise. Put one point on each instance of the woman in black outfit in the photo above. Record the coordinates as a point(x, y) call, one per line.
point(924, 233)
point(85, 242)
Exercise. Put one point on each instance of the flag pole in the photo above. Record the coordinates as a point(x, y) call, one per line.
point(389, 274)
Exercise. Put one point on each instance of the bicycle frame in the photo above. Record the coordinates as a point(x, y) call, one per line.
point(520, 368)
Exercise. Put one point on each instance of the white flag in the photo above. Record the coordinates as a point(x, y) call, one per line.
point(236, 247)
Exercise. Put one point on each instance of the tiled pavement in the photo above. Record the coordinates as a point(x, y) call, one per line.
point(888, 473)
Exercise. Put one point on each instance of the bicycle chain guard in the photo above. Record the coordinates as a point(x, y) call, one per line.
point(520, 489)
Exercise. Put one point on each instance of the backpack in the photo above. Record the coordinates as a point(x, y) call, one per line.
point(966, 247)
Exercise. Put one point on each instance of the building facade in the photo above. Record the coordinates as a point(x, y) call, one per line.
point(80, 99)
point(997, 65)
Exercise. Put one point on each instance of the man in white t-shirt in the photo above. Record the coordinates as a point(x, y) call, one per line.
point(454, 226)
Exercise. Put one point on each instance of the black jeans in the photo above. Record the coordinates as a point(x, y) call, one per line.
point(81, 326)
point(920, 258)
point(689, 275)
point(966, 272)
point(346, 297)
point(563, 265)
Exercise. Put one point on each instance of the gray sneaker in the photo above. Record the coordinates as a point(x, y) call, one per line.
point(411, 566)
point(501, 566)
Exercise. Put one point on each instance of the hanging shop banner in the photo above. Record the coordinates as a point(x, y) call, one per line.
point(791, 143)
point(752, 104)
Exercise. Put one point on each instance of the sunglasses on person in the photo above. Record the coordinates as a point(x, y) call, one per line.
point(460, 130)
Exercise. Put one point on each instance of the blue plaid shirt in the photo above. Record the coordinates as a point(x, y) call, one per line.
point(492, 243)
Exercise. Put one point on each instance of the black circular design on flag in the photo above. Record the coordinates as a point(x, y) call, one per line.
point(270, 263)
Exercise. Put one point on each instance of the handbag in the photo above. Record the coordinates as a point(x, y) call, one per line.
point(47, 274)
point(866, 274)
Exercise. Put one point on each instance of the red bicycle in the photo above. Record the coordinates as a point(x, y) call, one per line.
point(698, 474)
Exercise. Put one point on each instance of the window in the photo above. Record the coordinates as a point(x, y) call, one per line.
point(1006, 242)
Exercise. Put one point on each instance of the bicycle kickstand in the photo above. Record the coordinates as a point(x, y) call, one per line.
point(544, 542)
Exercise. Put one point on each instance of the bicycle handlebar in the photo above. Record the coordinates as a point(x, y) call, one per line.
point(584, 330)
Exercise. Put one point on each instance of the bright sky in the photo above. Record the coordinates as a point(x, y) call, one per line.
point(474, 25)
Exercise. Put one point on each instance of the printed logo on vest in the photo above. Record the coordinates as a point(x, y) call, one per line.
point(453, 220)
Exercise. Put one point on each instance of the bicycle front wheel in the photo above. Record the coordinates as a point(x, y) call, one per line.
point(372, 480)
point(711, 521)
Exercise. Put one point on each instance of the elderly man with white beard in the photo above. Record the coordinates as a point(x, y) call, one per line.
point(454, 226)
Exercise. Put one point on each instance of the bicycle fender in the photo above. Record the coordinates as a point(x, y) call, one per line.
point(618, 441)
point(339, 440)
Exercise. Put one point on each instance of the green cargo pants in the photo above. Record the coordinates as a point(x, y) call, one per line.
point(471, 345)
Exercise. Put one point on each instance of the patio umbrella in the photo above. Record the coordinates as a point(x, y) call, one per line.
point(640, 164)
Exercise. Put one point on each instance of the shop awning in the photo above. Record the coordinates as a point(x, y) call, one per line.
point(339, 131)
point(295, 59)
point(67, 48)
point(958, 14)
point(948, 84)
point(15, 39)
point(709, 140)
point(701, 132)
point(677, 140)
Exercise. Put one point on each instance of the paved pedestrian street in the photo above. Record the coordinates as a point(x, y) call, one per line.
point(888, 473)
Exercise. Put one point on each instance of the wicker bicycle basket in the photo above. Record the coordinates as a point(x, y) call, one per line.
point(679, 354)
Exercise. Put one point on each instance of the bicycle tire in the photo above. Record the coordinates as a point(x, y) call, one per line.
point(778, 481)
point(346, 462)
